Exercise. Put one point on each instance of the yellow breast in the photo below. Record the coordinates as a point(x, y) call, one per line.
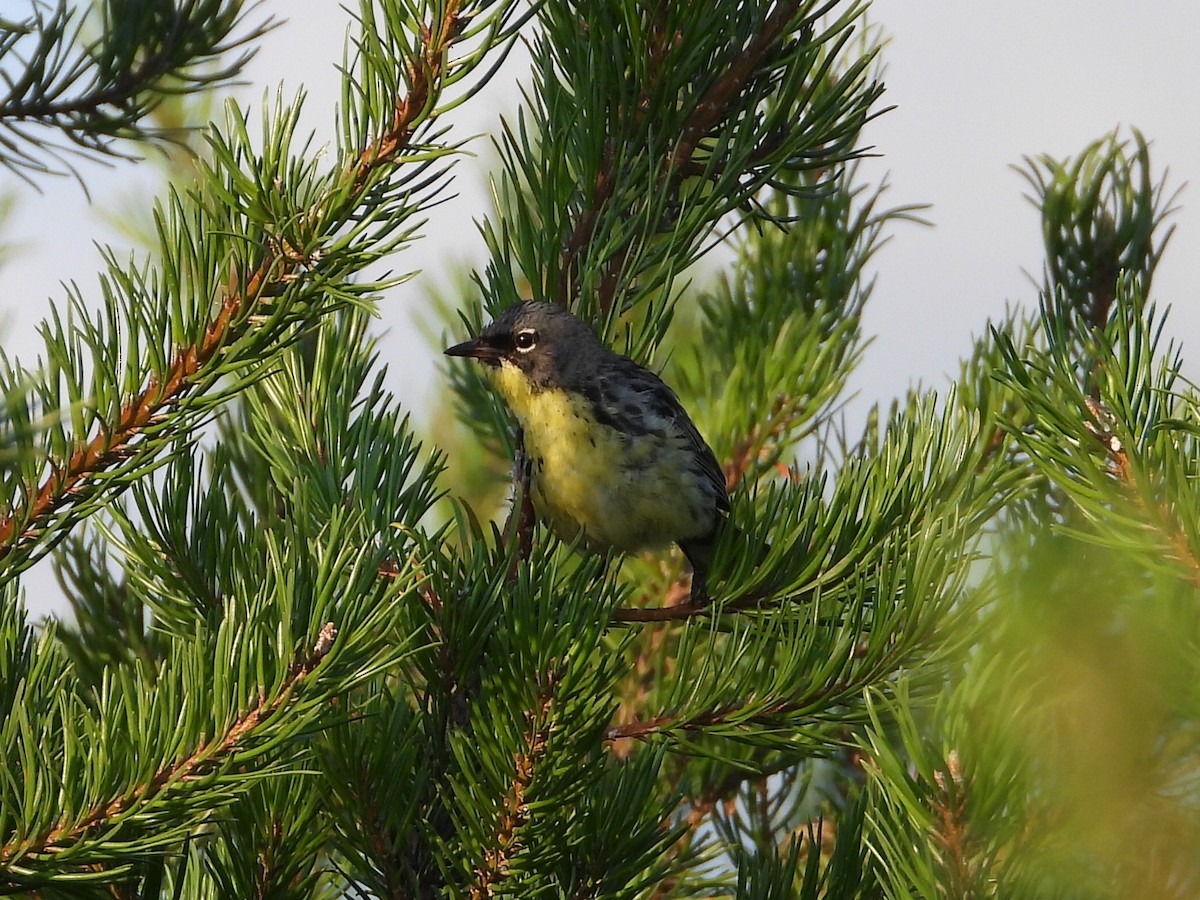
point(626, 492)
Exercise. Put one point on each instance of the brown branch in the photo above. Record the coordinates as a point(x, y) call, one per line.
point(64, 484)
point(646, 673)
point(666, 722)
point(1160, 518)
point(643, 728)
point(204, 760)
point(950, 831)
point(515, 811)
point(730, 83)
point(1102, 426)
point(268, 859)
point(422, 75)
point(112, 444)
point(819, 693)
point(581, 235)
point(785, 410)
point(699, 809)
point(676, 613)
point(393, 866)
point(995, 443)
point(681, 611)
point(389, 569)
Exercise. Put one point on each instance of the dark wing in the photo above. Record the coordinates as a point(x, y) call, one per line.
point(632, 399)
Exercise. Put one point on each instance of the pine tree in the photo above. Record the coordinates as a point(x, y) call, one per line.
point(313, 655)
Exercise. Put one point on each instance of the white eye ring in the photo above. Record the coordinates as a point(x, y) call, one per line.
point(525, 340)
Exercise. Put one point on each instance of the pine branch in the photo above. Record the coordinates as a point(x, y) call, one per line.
point(1112, 432)
point(722, 102)
point(1144, 497)
point(204, 759)
point(115, 444)
point(514, 811)
point(761, 712)
point(252, 311)
point(1102, 218)
point(103, 90)
point(424, 73)
point(950, 833)
point(718, 100)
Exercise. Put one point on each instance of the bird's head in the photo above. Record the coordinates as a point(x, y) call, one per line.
point(542, 340)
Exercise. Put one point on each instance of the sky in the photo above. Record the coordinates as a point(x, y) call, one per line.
point(976, 88)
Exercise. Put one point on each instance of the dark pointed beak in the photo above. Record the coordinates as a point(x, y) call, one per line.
point(476, 349)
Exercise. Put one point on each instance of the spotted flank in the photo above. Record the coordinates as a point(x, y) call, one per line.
point(626, 490)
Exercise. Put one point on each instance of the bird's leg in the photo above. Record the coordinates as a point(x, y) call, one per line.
point(519, 525)
point(699, 554)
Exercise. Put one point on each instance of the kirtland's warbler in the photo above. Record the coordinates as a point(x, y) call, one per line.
point(612, 453)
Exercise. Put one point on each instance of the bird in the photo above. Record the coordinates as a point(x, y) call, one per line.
point(614, 459)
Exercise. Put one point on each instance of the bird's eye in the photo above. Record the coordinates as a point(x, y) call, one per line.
point(525, 340)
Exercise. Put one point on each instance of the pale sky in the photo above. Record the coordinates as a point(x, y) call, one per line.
point(977, 87)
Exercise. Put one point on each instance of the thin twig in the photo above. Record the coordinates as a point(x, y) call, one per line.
point(678, 612)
